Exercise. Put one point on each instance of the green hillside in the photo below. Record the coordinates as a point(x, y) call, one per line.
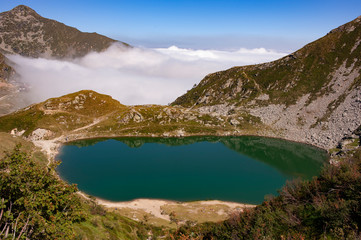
point(306, 71)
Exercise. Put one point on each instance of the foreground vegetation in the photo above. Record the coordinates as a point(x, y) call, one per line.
point(328, 207)
point(35, 204)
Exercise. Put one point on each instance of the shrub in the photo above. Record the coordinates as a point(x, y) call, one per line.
point(34, 203)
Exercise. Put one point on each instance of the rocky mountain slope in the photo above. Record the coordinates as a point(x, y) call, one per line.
point(312, 95)
point(24, 32)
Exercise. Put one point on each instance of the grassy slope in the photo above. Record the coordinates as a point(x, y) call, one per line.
point(285, 80)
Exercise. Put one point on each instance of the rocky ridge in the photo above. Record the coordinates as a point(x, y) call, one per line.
point(24, 32)
point(312, 95)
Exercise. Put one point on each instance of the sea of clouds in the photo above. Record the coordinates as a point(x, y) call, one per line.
point(132, 76)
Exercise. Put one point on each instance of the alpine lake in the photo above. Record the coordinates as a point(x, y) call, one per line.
point(238, 169)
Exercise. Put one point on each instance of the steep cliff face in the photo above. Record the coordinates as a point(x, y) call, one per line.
point(312, 95)
point(24, 32)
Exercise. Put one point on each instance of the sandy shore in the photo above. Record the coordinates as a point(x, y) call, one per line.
point(151, 206)
point(154, 206)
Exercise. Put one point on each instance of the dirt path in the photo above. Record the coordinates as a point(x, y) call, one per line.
point(95, 121)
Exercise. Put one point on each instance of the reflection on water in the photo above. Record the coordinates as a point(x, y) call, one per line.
point(277, 153)
point(190, 168)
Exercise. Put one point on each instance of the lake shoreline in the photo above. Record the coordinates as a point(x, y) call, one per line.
point(154, 206)
point(151, 206)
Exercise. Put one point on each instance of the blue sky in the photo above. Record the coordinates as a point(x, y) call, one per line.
point(227, 24)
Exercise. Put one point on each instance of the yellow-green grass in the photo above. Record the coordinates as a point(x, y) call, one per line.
point(197, 212)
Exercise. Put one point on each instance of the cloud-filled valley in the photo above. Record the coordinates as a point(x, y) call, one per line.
point(132, 76)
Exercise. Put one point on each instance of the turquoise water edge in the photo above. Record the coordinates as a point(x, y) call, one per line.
point(239, 169)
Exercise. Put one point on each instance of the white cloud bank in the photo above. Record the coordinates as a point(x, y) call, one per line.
point(136, 76)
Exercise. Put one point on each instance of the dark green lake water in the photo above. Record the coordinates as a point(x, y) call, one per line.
point(239, 169)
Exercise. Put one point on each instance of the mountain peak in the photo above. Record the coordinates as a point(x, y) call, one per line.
point(23, 10)
point(25, 32)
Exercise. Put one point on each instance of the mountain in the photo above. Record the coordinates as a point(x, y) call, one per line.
point(312, 95)
point(24, 32)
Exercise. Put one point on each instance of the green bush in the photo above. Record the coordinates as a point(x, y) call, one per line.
point(34, 204)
